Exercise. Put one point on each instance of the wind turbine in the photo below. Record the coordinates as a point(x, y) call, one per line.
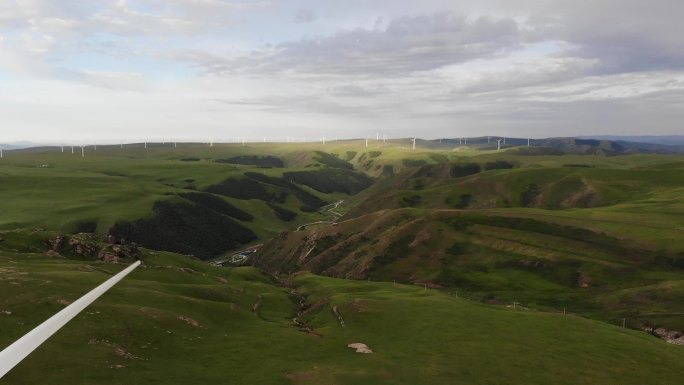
point(62, 148)
point(488, 139)
point(145, 145)
point(465, 140)
point(528, 142)
point(384, 138)
point(1, 152)
point(72, 150)
point(498, 145)
point(366, 142)
point(324, 140)
point(377, 136)
point(82, 152)
point(414, 143)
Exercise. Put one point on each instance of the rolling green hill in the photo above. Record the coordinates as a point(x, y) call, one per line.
point(178, 321)
point(454, 263)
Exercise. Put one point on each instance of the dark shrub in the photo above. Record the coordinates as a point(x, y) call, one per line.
point(85, 227)
point(282, 214)
point(410, 201)
point(498, 165)
point(332, 160)
point(185, 228)
point(413, 162)
point(464, 169)
point(529, 196)
point(217, 204)
point(241, 188)
point(253, 160)
point(331, 180)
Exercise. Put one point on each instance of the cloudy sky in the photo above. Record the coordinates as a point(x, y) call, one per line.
point(102, 70)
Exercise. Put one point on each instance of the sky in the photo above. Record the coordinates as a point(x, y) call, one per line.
point(131, 70)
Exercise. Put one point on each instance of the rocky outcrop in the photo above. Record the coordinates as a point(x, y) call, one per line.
point(83, 247)
point(360, 347)
point(671, 336)
point(114, 253)
point(57, 243)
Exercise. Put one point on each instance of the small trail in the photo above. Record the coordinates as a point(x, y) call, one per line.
point(329, 209)
point(257, 306)
point(338, 315)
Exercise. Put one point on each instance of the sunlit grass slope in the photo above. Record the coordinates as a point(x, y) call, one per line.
point(179, 321)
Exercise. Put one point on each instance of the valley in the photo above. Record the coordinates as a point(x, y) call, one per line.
point(440, 259)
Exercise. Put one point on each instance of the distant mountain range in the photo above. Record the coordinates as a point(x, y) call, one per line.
point(671, 140)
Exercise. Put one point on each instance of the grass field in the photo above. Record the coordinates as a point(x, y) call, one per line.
point(179, 321)
point(600, 236)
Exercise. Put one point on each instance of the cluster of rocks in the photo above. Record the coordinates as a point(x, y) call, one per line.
point(671, 336)
point(89, 247)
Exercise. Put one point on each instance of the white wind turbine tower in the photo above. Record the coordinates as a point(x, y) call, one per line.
point(62, 148)
point(498, 145)
point(82, 152)
point(72, 150)
point(528, 142)
point(1, 155)
point(366, 142)
point(384, 138)
point(465, 140)
point(377, 136)
point(414, 143)
point(324, 140)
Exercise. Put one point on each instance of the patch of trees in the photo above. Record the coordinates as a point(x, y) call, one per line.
point(85, 227)
point(191, 159)
point(439, 158)
point(395, 251)
point(217, 204)
point(374, 154)
point(498, 165)
point(332, 160)
point(282, 213)
point(185, 228)
point(331, 180)
point(410, 201)
point(242, 188)
point(462, 222)
point(253, 160)
point(310, 202)
point(460, 170)
point(529, 197)
point(387, 170)
point(413, 162)
point(349, 155)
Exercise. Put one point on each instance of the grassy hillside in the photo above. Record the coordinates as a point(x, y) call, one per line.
point(163, 195)
point(178, 321)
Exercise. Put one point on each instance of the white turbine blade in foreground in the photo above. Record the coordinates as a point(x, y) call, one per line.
point(15, 353)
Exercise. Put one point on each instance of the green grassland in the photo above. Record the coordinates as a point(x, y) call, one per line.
point(177, 321)
point(600, 236)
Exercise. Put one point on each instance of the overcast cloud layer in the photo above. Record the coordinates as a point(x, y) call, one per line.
point(110, 70)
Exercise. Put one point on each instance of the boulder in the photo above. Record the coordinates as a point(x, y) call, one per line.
point(360, 347)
